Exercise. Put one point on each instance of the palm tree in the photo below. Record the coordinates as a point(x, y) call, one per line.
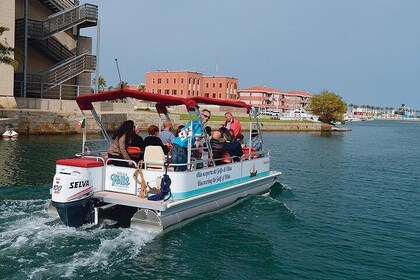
point(142, 87)
point(122, 84)
point(101, 83)
point(7, 52)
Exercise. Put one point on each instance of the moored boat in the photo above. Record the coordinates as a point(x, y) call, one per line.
point(10, 133)
point(90, 188)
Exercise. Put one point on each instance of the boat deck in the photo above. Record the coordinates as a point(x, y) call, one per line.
point(131, 200)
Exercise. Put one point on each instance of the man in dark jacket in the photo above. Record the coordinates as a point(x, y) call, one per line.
point(217, 147)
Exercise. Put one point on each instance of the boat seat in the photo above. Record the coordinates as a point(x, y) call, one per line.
point(154, 157)
point(80, 162)
point(226, 158)
point(134, 152)
point(249, 153)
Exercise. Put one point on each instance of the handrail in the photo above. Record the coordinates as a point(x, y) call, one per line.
point(42, 29)
point(69, 69)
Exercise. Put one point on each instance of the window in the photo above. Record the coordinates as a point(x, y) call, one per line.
point(159, 91)
point(220, 85)
point(194, 81)
point(207, 85)
point(182, 92)
point(198, 81)
point(167, 91)
point(189, 92)
point(189, 80)
point(207, 94)
point(153, 80)
point(214, 85)
point(153, 90)
point(174, 80)
point(193, 93)
point(174, 92)
point(235, 86)
point(159, 81)
point(214, 95)
point(182, 80)
point(220, 95)
point(167, 80)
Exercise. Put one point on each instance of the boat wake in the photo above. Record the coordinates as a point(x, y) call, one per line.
point(32, 242)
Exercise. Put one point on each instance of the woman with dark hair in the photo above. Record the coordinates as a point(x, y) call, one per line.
point(118, 148)
point(232, 147)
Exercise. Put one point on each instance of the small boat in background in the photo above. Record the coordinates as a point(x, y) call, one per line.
point(10, 133)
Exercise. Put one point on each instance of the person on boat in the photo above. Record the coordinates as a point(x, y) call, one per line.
point(232, 147)
point(233, 124)
point(202, 152)
point(122, 137)
point(240, 139)
point(166, 134)
point(153, 140)
point(180, 143)
point(222, 131)
point(217, 147)
point(136, 139)
point(255, 141)
point(178, 130)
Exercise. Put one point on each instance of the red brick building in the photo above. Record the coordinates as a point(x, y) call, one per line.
point(186, 83)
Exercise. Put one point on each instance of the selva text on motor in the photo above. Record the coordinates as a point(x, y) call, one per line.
point(80, 184)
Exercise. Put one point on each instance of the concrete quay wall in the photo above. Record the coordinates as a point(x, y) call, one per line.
point(50, 116)
point(48, 122)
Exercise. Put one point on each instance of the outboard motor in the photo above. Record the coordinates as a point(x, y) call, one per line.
point(72, 193)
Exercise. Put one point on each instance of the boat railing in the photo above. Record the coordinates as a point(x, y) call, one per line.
point(134, 164)
point(98, 158)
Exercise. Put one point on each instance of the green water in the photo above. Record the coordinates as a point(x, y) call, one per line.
point(346, 207)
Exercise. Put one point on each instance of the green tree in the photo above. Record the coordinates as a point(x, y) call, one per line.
point(142, 87)
point(6, 52)
point(101, 83)
point(329, 106)
point(122, 84)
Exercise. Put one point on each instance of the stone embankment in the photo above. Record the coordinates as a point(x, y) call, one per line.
point(62, 117)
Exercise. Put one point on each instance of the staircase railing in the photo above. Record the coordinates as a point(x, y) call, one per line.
point(59, 4)
point(53, 49)
point(69, 69)
point(42, 29)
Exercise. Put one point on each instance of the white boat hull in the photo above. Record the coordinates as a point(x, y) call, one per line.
point(194, 192)
point(174, 212)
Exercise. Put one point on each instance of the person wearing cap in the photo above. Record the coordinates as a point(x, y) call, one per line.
point(232, 124)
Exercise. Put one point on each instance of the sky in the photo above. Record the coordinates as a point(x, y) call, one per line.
point(366, 51)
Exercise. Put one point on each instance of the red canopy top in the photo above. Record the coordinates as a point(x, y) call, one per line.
point(85, 101)
point(221, 102)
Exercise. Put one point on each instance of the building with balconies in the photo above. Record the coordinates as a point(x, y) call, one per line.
point(58, 61)
point(270, 98)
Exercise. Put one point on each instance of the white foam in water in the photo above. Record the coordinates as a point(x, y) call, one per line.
point(30, 235)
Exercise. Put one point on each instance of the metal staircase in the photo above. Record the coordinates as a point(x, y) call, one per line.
point(52, 48)
point(57, 5)
point(41, 85)
point(40, 36)
point(85, 15)
point(67, 70)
